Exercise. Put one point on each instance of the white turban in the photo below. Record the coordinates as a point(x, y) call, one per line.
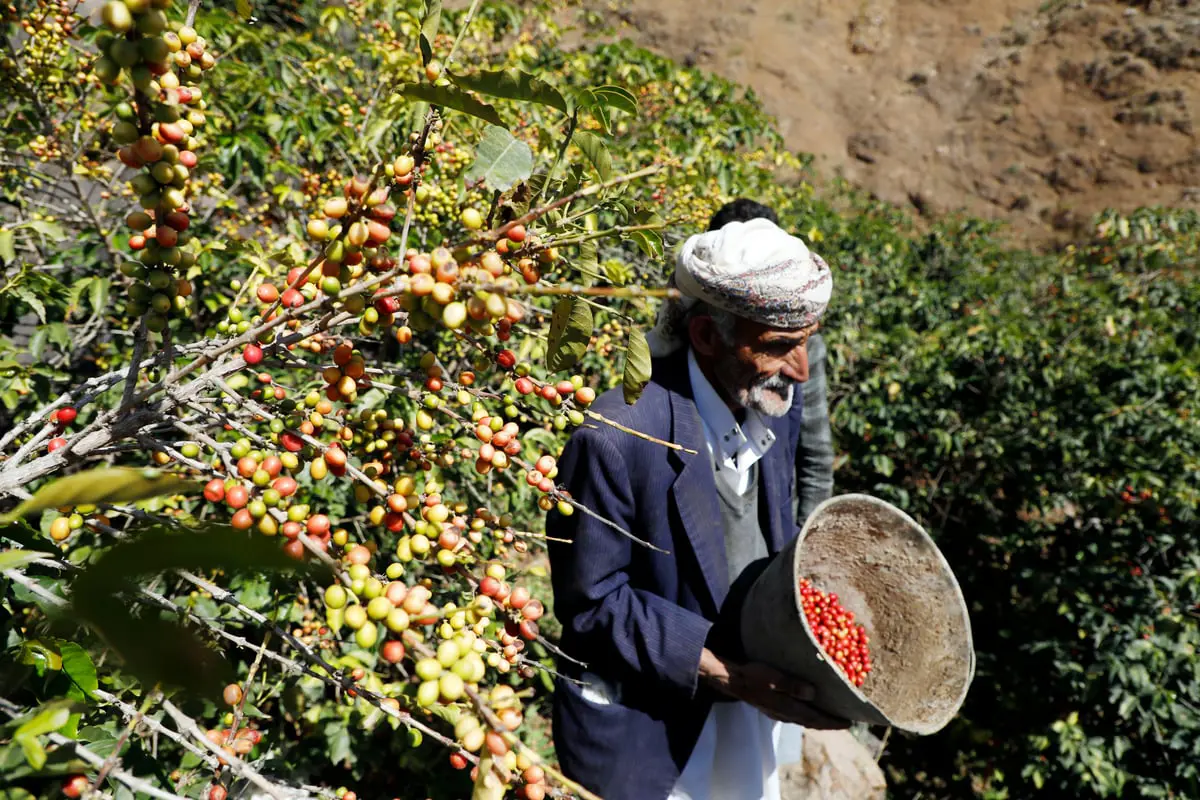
point(753, 270)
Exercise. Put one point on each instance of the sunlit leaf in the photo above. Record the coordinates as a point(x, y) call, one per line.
point(501, 160)
point(48, 719)
point(8, 250)
point(104, 485)
point(11, 559)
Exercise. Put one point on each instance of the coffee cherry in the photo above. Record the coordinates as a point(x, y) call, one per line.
point(232, 695)
point(75, 786)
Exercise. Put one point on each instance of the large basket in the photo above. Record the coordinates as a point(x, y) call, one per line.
point(885, 568)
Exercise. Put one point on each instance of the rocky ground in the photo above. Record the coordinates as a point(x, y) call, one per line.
point(1038, 112)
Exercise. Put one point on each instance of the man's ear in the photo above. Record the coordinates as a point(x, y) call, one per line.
point(705, 339)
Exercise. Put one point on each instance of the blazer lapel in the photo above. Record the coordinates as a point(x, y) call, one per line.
point(773, 473)
point(694, 493)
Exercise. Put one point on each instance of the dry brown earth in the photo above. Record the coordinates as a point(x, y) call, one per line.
point(1039, 113)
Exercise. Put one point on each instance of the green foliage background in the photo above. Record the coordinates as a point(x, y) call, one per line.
point(1033, 410)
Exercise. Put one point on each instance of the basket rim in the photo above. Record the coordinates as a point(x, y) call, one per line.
point(819, 513)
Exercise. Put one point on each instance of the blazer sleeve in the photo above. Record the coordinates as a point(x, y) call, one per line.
point(814, 451)
point(632, 630)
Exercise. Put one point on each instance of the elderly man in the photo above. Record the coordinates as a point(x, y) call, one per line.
point(657, 702)
point(814, 451)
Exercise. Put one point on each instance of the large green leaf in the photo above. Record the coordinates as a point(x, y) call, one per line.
point(8, 250)
point(594, 148)
point(451, 97)
point(157, 650)
point(501, 160)
point(431, 20)
point(11, 559)
point(570, 333)
point(48, 719)
point(637, 366)
point(513, 84)
point(104, 485)
point(79, 668)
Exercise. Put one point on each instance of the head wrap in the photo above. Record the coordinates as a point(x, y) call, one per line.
point(753, 270)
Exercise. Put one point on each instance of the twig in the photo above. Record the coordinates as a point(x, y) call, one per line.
point(496, 233)
point(115, 755)
point(494, 723)
point(135, 364)
point(132, 781)
point(189, 726)
point(237, 712)
point(638, 434)
point(461, 32)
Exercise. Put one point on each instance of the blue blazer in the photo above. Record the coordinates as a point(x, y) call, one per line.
point(637, 617)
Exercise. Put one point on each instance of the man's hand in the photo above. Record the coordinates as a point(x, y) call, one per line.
point(779, 696)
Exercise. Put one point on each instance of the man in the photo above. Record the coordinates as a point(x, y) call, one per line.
point(663, 707)
point(814, 452)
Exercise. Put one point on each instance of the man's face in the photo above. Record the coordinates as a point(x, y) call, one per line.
point(763, 365)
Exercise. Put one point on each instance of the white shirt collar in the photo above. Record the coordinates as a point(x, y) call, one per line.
point(734, 447)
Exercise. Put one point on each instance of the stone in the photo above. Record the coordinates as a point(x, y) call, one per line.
point(836, 766)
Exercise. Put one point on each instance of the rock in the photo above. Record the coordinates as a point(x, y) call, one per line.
point(870, 28)
point(836, 766)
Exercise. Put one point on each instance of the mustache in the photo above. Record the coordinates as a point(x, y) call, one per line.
point(774, 382)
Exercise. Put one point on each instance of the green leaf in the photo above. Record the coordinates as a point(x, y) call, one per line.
point(637, 366)
point(588, 262)
point(570, 333)
point(98, 296)
point(25, 294)
point(75, 294)
point(104, 485)
point(8, 250)
point(11, 559)
point(451, 97)
point(36, 653)
point(649, 242)
point(593, 147)
point(51, 230)
point(513, 84)
point(501, 160)
point(244, 10)
point(79, 668)
point(157, 650)
point(337, 738)
point(48, 719)
point(431, 20)
point(615, 97)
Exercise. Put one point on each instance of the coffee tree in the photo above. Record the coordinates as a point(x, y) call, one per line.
point(297, 491)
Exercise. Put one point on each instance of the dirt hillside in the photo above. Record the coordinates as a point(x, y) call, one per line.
point(1040, 113)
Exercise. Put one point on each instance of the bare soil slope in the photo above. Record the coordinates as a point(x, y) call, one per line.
point(1040, 113)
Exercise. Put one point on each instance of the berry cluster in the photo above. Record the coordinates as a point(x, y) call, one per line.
point(843, 641)
point(158, 134)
